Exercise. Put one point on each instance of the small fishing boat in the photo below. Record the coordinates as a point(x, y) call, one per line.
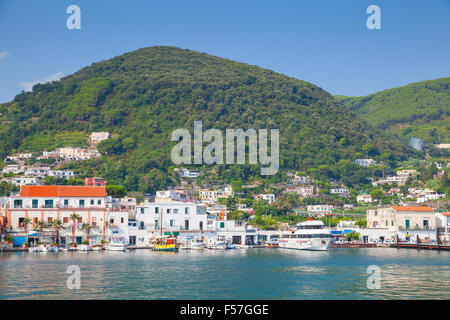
point(33, 249)
point(164, 243)
point(116, 246)
point(97, 247)
point(217, 243)
point(196, 243)
point(84, 247)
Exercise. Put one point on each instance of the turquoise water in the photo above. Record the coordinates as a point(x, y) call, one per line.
point(234, 274)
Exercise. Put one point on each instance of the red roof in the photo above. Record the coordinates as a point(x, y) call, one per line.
point(447, 214)
point(62, 191)
point(419, 209)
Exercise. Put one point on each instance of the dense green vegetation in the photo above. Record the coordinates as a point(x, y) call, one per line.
point(142, 96)
point(419, 110)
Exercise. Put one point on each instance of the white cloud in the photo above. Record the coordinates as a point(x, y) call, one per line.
point(4, 54)
point(28, 86)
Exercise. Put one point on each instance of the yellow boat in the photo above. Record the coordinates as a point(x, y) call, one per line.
point(165, 243)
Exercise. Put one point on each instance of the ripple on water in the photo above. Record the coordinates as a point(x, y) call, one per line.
point(237, 274)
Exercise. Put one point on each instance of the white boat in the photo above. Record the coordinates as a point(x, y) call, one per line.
point(196, 243)
point(116, 246)
point(84, 247)
point(310, 235)
point(44, 248)
point(33, 249)
point(97, 247)
point(217, 243)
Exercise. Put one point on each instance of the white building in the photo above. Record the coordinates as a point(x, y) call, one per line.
point(49, 203)
point(22, 181)
point(14, 168)
point(343, 192)
point(269, 197)
point(320, 209)
point(208, 195)
point(97, 137)
point(61, 174)
point(40, 172)
point(172, 215)
point(185, 173)
point(365, 162)
point(365, 198)
point(443, 224)
point(117, 226)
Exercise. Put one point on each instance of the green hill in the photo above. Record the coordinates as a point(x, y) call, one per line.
point(142, 96)
point(419, 109)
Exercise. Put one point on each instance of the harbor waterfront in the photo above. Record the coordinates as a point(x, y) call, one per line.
point(339, 273)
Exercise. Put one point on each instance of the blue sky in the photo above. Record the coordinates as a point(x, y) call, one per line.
point(323, 42)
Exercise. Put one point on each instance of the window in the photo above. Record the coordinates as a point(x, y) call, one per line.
point(17, 203)
point(425, 224)
point(99, 202)
point(92, 202)
point(111, 221)
point(34, 203)
point(186, 210)
point(156, 209)
point(142, 210)
point(48, 204)
point(175, 210)
point(81, 203)
point(66, 202)
point(172, 223)
point(222, 225)
point(168, 210)
point(407, 223)
point(121, 220)
point(392, 222)
point(386, 223)
point(200, 225)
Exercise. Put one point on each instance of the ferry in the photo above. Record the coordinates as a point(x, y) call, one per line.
point(310, 235)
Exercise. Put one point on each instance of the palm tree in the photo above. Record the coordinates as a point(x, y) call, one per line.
point(58, 225)
point(39, 226)
point(26, 222)
point(74, 217)
point(86, 227)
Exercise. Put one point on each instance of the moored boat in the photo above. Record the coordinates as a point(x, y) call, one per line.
point(116, 246)
point(164, 243)
point(310, 235)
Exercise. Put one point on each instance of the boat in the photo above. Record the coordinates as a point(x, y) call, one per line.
point(44, 248)
point(84, 247)
point(196, 243)
point(164, 243)
point(309, 235)
point(97, 247)
point(116, 246)
point(217, 243)
point(33, 249)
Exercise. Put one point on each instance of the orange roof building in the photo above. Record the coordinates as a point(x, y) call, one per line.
point(413, 209)
point(62, 191)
